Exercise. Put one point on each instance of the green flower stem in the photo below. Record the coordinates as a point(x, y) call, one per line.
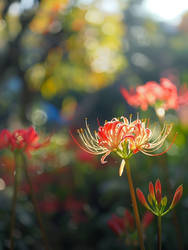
point(14, 199)
point(34, 201)
point(159, 232)
point(135, 207)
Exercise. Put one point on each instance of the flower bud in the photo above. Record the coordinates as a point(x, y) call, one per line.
point(141, 198)
point(164, 201)
point(151, 190)
point(177, 196)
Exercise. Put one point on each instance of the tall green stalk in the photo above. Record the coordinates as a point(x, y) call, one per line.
point(135, 207)
point(159, 231)
point(14, 199)
point(34, 201)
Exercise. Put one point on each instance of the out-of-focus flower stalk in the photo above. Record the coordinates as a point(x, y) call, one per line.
point(14, 199)
point(159, 232)
point(34, 201)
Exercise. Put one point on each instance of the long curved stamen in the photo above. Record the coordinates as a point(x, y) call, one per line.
point(157, 145)
point(169, 147)
point(85, 149)
point(163, 131)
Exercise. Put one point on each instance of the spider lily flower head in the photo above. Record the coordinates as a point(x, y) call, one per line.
point(124, 137)
point(25, 140)
point(163, 95)
point(108, 138)
point(156, 203)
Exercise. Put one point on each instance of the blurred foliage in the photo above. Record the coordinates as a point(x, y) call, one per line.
point(65, 45)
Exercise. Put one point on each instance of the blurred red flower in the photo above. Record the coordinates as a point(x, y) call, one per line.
point(117, 224)
point(25, 140)
point(126, 224)
point(50, 205)
point(164, 95)
point(76, 209)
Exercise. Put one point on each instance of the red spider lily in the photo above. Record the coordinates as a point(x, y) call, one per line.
point(21, 139)
point(126, 224)
point(153, 93)
point(117, 224)
point(157, 204)
point(123, 137)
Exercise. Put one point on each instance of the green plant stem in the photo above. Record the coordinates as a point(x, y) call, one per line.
point(14, 199)
point(159, 232)
point(34, 201)
point(135, 207)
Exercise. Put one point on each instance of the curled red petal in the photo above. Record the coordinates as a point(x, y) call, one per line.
point(31, 135)
point(104, 157)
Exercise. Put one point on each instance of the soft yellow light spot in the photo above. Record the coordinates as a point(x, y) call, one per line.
point(49, 88)
point(35, 76)
point(108, 28)
point(94, 16)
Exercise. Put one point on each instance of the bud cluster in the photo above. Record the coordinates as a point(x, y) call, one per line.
point(156, 203)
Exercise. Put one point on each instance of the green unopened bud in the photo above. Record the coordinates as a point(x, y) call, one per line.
point(164, 201)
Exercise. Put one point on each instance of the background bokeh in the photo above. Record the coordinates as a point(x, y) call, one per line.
point(62, 61)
